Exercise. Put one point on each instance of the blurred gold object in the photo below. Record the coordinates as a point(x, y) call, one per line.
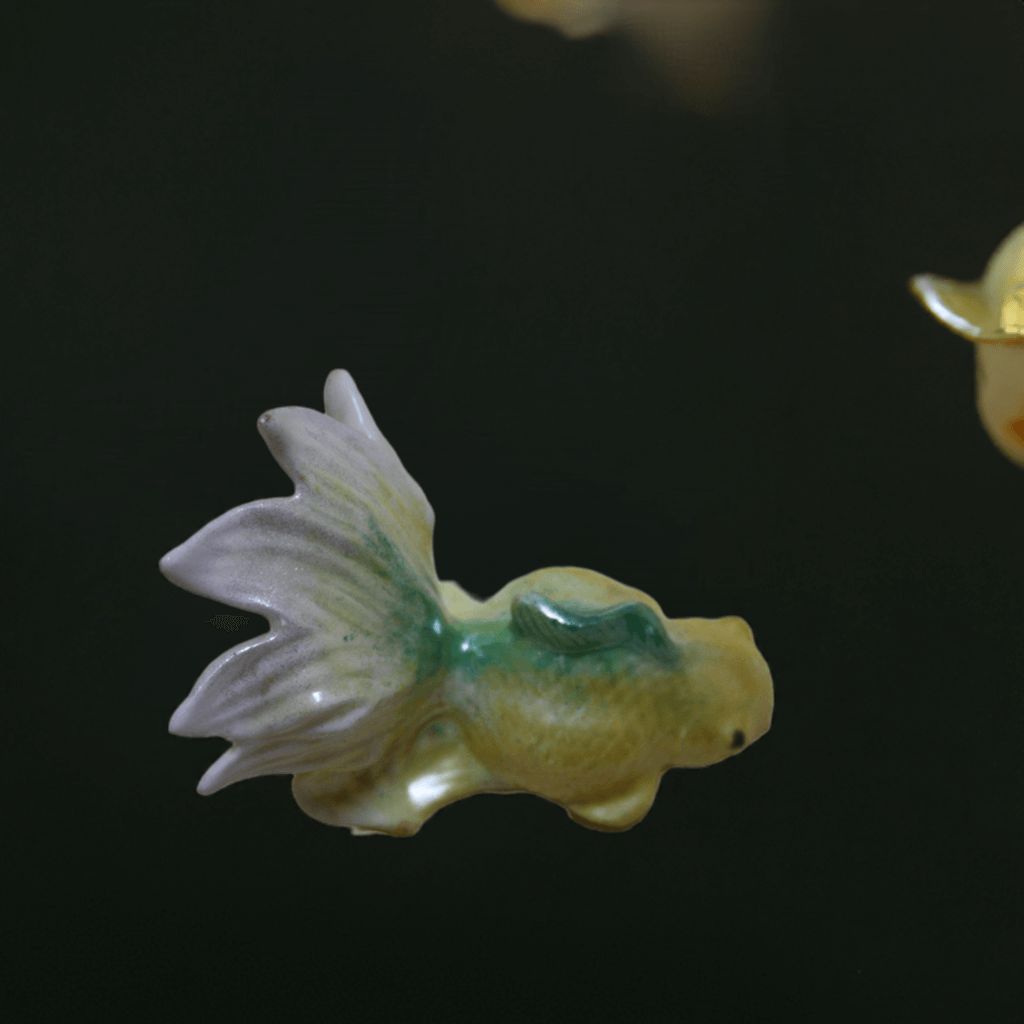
point(704, 51)
point(990, 312)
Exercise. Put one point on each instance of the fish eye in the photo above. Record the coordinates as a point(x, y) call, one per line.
point(738, 739)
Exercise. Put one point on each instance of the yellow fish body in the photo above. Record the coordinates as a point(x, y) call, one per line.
point(389, 694)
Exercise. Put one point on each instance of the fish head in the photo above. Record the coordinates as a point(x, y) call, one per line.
point(726, 693)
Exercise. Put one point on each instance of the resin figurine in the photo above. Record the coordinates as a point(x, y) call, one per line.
point(388, 693)
point(705, 51)
point(990, 312)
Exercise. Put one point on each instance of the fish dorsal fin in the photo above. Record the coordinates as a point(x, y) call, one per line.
point(555, 626)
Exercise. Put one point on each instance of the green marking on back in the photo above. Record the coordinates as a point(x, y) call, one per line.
point(561, 629)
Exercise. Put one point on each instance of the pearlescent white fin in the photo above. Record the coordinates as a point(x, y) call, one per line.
point(344, 403)
point(344, 572)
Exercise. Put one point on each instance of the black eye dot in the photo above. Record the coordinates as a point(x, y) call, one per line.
point(738, 739)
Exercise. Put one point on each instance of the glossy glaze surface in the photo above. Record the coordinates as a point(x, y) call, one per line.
point(989, 312)
point(388, 693)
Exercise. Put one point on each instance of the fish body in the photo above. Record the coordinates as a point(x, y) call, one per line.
point(550, 714)
point(388, 693)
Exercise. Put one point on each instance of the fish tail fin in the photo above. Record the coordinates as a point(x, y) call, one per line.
point(344, 572)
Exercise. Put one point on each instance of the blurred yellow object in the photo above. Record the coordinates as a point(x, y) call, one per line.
point(706, 51)
point(990, 312)
point(574, 18)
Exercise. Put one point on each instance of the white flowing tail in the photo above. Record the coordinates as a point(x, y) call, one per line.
point(344, 572)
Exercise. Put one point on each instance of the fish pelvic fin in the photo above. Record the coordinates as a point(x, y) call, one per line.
point(620, 811)
point(420, 774)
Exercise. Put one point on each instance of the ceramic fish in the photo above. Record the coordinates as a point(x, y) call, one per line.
point(990, 312)
point(705, 51)
point(388, 693)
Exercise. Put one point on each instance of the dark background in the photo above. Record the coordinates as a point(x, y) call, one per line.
point(598, 330)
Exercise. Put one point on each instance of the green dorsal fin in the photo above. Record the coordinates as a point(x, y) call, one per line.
point(545, 622)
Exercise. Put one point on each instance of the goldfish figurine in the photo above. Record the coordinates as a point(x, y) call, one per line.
point(387, 693)
point(989, 312)
point(705, 51)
